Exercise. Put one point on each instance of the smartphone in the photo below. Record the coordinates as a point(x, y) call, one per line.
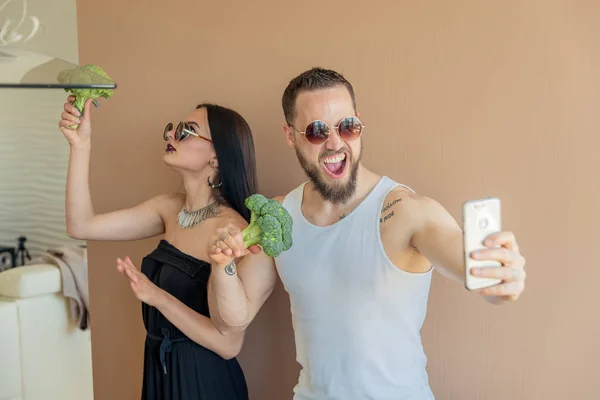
point(481, 218)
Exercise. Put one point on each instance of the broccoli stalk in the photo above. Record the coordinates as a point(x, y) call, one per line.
point(252, 234)
point(270, 226)
point(87, 74)
point(80, 99)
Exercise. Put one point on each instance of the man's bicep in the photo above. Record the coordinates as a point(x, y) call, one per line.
point(439, 238)
point(259, 276)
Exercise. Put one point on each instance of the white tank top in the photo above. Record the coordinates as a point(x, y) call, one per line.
point(356, 317)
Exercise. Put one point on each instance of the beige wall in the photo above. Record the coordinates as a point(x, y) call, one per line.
point(461, 99)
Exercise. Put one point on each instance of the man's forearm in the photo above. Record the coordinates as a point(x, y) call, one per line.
point(228, 303)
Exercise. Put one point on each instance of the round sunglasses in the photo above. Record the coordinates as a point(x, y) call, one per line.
point(182, 131)
point(318, 132)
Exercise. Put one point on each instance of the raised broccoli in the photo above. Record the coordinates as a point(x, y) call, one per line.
point(270, 225)
point(86, 74)
point(274, 208)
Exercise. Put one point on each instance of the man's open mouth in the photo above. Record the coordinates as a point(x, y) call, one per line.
point(335, 165)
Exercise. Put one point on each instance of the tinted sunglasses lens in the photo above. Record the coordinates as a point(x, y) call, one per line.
point(317, 132)
point(180, 133)
point(166, 131)
point(350, 128)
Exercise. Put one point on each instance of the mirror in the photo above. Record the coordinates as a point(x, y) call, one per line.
point(22, 69)
point(45, 340)
point(28, 61)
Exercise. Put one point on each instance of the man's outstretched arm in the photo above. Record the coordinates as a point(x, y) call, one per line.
point(439, 238)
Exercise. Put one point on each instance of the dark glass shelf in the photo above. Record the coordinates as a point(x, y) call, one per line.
point(54, 86)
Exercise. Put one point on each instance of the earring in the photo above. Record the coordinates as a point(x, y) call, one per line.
point(212, 163)
point(212, 185)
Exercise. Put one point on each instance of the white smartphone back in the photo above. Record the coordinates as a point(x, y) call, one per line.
point(481, 218)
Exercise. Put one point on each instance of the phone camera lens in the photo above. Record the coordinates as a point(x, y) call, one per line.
point(483, 223)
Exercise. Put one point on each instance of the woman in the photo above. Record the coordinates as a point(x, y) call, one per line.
point(185, 356)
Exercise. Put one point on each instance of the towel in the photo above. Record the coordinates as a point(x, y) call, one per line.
point(72, 261)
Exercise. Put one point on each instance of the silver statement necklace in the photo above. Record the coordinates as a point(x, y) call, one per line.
point(187, 219)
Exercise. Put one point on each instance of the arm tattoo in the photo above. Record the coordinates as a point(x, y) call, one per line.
point(230, 269)
point(389, 215)
point(389, 205)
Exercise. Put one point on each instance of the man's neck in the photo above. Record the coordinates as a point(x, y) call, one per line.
point(322, 209)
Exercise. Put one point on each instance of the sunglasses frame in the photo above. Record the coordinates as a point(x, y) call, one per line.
point(337, 127)
point(184, 130)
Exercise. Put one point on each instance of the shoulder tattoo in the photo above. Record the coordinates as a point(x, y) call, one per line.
point(386, 214)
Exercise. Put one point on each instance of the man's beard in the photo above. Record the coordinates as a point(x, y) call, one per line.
point(335, 194)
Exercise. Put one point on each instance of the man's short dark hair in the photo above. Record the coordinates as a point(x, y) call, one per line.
point(313, 79)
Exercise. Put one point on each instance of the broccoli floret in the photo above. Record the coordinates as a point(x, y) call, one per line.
point(252, 233)
point(270, 225)
point(271, 239)
point(274, 208)
point(87, 74)
point(255, 203)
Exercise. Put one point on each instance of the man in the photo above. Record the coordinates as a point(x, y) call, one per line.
point(359, 271)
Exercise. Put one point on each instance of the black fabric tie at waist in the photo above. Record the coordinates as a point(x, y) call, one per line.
point(165, 345)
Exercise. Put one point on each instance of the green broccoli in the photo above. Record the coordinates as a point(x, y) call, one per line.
point(274, 208)
point(87, 74)
point(270, 225)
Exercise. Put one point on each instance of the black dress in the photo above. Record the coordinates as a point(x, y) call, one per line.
point(175, 367)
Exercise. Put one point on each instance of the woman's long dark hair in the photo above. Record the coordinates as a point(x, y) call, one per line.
point(234, 145)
